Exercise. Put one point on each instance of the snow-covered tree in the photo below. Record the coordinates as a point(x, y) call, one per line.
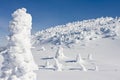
point(79, 59)
point(47, 64)
point(18, 61)
point(90, 57)
point(59, 54)
point(83, 67)
point(96, 68)
point(58, 65)
point(42, 48)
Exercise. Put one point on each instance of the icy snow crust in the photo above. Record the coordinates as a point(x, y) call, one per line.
point(18, 61)
point(79, 31)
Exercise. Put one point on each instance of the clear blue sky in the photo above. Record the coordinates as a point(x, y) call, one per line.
point(47, 13)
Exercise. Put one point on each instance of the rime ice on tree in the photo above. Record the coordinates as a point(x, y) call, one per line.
point(79, 59)
point(18, 60)
point(96, 68)
point(83, 67)
point(58, 66)
point(47, 64)
point(90, 57)
point(59, 53)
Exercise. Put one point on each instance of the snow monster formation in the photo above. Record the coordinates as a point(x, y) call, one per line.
point(18, 61)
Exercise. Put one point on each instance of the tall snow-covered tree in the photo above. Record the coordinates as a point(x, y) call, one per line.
point(18, 61)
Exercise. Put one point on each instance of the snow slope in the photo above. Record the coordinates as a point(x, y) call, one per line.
point(79, 31)
point(97, 37)
point(97, 42)
point(105, 54)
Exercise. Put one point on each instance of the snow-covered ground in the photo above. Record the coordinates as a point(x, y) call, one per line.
point(87, 50)
point(105, 54)
point(76, 75)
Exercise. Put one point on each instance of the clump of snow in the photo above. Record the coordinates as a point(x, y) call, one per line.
point(76, 32)
point(18, 60)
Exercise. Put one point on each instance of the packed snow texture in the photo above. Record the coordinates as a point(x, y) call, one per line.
point(79, 31)
point(18, 61)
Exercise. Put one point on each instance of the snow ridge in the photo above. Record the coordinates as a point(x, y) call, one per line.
point(75, 32)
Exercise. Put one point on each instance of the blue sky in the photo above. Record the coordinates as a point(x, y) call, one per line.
point(47, 13)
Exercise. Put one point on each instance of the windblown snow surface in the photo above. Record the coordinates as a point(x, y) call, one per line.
point(83, 50)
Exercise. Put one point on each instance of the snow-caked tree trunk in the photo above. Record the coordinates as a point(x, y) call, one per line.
point(18, 60)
